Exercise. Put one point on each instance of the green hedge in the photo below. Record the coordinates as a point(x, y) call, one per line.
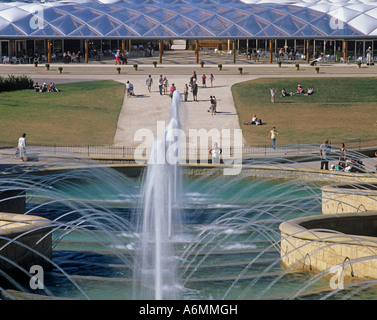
point(15, 83)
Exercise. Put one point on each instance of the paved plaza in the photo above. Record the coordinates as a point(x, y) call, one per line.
point(146, 109)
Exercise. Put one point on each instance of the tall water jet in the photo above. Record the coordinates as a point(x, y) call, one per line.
point(156, 265)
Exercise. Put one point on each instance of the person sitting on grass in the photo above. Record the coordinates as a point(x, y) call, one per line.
point(37, 87)
point(309, 92)
point(283, 93)
point(52, 87)
point(300, 89)
point(44, 87)
point(253, 120)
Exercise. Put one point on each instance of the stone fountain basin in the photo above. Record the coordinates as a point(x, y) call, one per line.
point(356, 197)
point(24, 241)
point(322, 243)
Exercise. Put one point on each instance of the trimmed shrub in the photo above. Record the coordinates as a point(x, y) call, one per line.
point(12, 83)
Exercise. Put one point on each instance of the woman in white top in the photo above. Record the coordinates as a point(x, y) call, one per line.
point(215, 153)
point(22, 146)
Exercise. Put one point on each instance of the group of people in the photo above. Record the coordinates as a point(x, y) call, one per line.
point(345, 163)
point(284, 93)
point(45, 88)
point(72, 57)
point(163, 86)
point(165, 89)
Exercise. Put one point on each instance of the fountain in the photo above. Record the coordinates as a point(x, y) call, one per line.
point(159, 215)
point(170, 235)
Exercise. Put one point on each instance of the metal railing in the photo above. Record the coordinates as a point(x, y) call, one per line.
point(354, 144)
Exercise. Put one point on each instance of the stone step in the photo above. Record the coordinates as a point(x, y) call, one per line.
point(179, 45)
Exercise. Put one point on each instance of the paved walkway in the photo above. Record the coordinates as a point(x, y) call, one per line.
point(145, 109)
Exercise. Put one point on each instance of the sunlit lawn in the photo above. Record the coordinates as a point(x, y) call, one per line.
point(340, 109)
point(83, 113)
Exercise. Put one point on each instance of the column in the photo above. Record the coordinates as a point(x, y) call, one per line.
point(271, 56)
point(197, 50)
point(160, 51)
point(307, 51)
point(123, 48)
point(12, 48)
point(345, 51)
point(49, 51)
point(86, 51)
point(234, 51)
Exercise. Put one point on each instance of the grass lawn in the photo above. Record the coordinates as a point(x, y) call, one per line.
point(339, 108)
point(83, 113)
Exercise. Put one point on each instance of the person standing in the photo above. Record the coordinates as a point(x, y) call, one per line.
point(211, 79)
point(204, 81)
point(128, 89)
point(172, 89)
point(149, 82)
point(165, 85)
point(273, 134)
point(272, 92)
point(215, 153)
point(324, 149)
point(22, 147)
point(185, 91)
point(369, 56)
point(160, 84)
point(195, 91)
point(342, 153)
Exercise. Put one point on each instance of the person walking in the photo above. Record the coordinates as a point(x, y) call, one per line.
point(324, 150)
point(149, 82)
point(117, 57)
point(273, 134)
point(21, 147)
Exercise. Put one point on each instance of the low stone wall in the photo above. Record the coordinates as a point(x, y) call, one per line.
point(13, 201)
point(24, 241)
point(319, 243)
point(342, 198)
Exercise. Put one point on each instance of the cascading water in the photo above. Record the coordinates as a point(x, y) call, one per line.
point(221, 242)
point(155, 269)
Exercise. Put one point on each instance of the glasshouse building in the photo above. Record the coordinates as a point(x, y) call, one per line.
point(341, 30)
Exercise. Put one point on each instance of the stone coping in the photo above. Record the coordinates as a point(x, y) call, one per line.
point(11, 223)
point(352, 189)
point(312, 228)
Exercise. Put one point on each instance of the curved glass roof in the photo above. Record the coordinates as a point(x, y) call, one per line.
point(185, 19)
